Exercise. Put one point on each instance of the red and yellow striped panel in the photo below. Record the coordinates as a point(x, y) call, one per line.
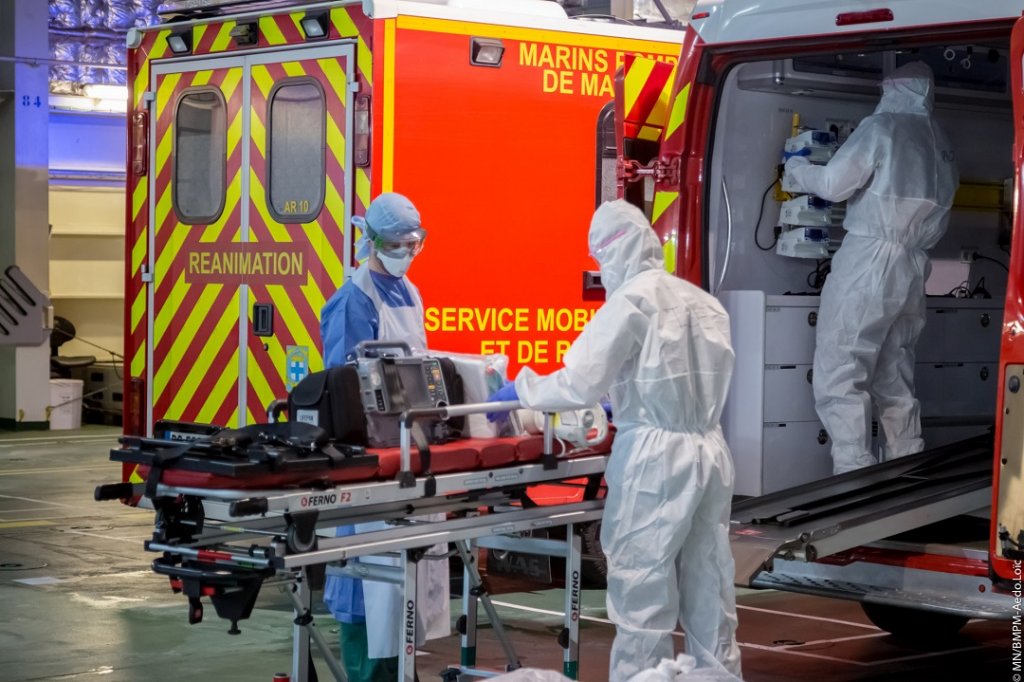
point(296, 306)
point(153, 46)
point(195, 329)
point(647, 90)
point(678, 203)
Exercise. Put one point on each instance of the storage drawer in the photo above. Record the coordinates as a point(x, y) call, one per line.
point(795, 453)
point(789, 335)
point(788, 394)
point(960, 334)
point(956, 389)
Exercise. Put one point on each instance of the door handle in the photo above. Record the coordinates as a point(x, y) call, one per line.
point(263, 319)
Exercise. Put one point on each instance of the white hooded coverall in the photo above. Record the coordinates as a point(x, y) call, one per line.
point(898, 173)
point(660, 347)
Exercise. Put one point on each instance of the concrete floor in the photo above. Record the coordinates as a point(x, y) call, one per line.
point(79, 602)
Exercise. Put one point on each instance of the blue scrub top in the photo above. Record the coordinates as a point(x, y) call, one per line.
point(348, 318)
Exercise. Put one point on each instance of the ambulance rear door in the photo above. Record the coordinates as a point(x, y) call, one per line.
point(1007, 539)
point(662, 119)
point(249, 200)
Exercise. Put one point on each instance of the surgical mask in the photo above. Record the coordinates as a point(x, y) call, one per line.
point(396, 267)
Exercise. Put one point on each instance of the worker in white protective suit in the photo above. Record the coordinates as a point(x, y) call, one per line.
point(380, 303)
point(660, 348)
point(898, 174)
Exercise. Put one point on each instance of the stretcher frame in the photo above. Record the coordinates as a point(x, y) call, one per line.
point(293, 553)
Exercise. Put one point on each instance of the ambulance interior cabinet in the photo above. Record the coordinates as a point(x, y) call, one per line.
point(769, 420)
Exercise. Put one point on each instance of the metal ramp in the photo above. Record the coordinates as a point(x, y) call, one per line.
point(818, 519)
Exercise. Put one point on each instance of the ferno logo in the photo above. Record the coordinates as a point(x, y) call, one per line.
point(575, 596)
point(318, 500)
point(410, 627)
point(248, 263)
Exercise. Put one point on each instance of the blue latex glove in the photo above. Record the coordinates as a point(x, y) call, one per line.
point(506, 392)
point(607, 405)
point(786, 156)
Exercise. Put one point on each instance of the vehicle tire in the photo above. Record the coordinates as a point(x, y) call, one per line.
point(915, 626)
point(593, 566)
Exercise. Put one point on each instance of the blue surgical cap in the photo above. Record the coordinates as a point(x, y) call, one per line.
point(391, 216)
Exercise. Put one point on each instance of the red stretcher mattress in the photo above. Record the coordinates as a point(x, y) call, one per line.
point(469, 454)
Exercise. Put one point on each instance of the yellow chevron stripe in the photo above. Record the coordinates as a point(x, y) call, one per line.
point(636, 79)
point(223, 39)
point(139, 249)
point(165, 313)
point(649, 133)
point(278, 232)
point(363, 186)
point(662, 202)
point(139, 197)
point(138, 309)
point(343, 23)
point(258, 134)
point(142, 79)
point(165, 90)
point(678, 115)
point(234, 135)
point(163, 151)
point(388, 174)
point(259, 382)
point(163, 210)
point(231, 80)
point(334, 203)
point(270, 31)
point(134, 476)
point(336, 141)
point(300, 333)
point(185, 345)
point(660, 109)
point(322, 249)
point(227, 385)
point(139, 361)
point(668, 250)
point(201, 78)
point(346, 28)
point(336, 77)
point(365, 60)
point(198, 32)
point(293, 69)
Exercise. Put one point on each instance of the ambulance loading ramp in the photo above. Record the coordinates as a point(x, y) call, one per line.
point(818, 519)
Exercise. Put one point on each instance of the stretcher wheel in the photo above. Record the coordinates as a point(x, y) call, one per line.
point(299, 541)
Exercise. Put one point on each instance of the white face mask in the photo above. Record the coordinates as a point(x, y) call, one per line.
point(396, 267)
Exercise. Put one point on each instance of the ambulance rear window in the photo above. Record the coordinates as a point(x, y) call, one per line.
point(297, 138)
point(200, 151)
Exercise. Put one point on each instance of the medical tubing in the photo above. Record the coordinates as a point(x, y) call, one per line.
point(760, 216)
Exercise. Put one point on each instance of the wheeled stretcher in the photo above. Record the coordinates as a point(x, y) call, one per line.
point(242, 508)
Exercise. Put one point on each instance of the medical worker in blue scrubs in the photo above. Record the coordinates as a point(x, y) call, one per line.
point(380, 303)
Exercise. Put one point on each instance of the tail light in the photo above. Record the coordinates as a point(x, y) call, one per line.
point(134, 412)
point(362, 130)
point(140, 139)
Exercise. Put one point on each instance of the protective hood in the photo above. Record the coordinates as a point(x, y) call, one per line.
point(909, 89)
point(623, 243)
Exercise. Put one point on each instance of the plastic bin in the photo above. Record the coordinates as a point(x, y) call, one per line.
point(66, 404)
